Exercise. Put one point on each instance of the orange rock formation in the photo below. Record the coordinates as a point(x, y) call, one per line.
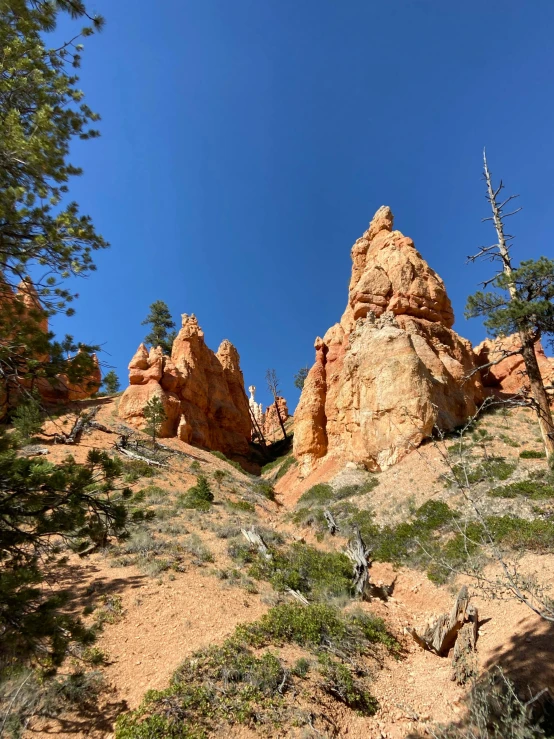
point(271, 419)
point(508, 376)
point(393, 368)
point(202, 392)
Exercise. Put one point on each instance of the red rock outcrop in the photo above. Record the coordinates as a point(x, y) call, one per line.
point(271, 419)
point(202, 392)
point(393, 368)
point(508, 376)
point(27, 308)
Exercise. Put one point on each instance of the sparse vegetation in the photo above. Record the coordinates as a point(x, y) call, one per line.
point(532, 454)
point(234, 464)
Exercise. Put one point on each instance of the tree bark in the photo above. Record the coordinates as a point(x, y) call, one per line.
point(540, 396)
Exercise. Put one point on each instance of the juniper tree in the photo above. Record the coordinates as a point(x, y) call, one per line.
point(155, 415)
point(161, 322)
point(522, 302)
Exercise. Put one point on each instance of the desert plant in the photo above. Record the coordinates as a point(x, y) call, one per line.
point(155, 415)
point(199, 496)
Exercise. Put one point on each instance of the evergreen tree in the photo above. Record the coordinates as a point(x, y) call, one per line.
point(111, 383)
point(155, 415)
point(41, 112)
point(161, 324)
point(300, 377)
point(522, 303)
point(42, 504)
point(27, 418)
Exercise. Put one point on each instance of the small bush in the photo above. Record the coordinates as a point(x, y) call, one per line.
point(95, 656)
point(234, 464)
point(341, 684)
point(494, 468)
point(318, 495)
point(301, 667)
point(195, 546)
point(518, 533)
point(135, 469)
point(532, 454)
point(219, 476)
point(199, 497)
point(240, 506)
point(265, 488)
point(531, 489)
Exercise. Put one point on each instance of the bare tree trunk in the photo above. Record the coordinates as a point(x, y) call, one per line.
point(542, 404)
point(280, 419)
point(540, 396)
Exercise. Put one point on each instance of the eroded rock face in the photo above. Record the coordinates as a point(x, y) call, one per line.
point(508, 376)
point(271, 418)
point(392, 368)
point(203, 393)
point(28, 309)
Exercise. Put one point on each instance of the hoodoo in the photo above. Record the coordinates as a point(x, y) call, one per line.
point(392, 368)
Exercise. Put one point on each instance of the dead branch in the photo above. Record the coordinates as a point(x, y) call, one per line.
point(120, 445)
point(299, 597)
point(331, 523)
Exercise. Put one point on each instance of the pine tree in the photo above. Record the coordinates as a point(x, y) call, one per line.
point(522, 303)
point(42, 111)
point(111, 383)
point(27, 418)
point(41, 505)
point(155, 415)
point(300, 377)
point(161, 324)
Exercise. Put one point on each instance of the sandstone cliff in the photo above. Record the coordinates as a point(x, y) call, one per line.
point(202, 392)
point(271, 425)
point(392, 368)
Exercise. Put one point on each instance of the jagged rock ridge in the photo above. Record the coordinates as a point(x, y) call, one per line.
point(392, 368)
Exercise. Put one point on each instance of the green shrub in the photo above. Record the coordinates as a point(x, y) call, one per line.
point(320, 495)
point(241, 506)
point(219, 476)
point(285, 467)
point(306, 569)
point(301, 667)
point(27, 418)
point(135, 469)
point(95, 656)
point(493, 468)
point(199, 497)
point(531, 489)
point(518, 533)
point(532, 454)
point(265, 488)
point(341, 684)
point(236, 465)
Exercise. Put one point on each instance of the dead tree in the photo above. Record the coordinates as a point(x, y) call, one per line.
point(358, 554)
point(440, 636)
point(331, 523)
point(273, 387)
point(522, 293)
point(121, 446)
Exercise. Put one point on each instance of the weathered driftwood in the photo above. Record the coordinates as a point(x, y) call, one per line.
point(100, 427)
point(440, 636)
point(256, 540)
point(331, 523)
point(463, 660)
point(358, 554)
point(33, 451)
point(82, 422)
point(299, 597)
point(121, 447)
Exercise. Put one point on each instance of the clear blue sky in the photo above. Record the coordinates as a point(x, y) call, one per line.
point(247, 143)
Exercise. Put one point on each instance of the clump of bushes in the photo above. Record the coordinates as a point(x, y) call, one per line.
point(491, 469)
point(135, 469)
point(532, 489)
point(199, 497)
point(232, 683)
point(532, 454)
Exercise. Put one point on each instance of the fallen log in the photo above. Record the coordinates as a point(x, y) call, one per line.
point(463, 661)
point(122, 449)
point(299, 597)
